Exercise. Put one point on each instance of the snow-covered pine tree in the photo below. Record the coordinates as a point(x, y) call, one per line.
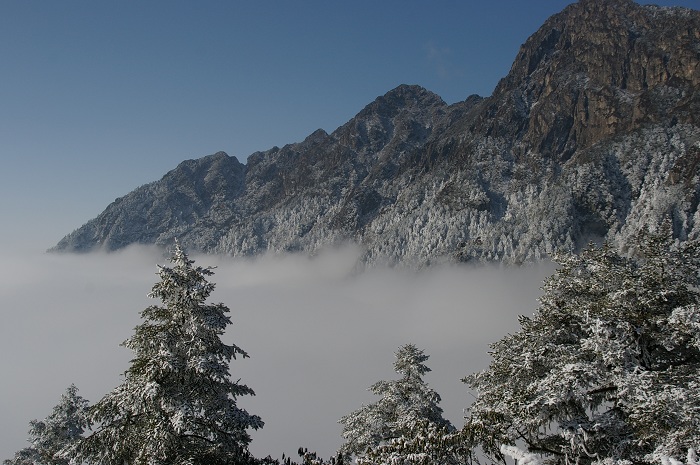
point(63, 428)
point(405, 404)
point(425, 443)
point(177, 403)
point(608, 367)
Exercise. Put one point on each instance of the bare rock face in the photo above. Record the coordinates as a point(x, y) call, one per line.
point(594, 134)
point(595, 70)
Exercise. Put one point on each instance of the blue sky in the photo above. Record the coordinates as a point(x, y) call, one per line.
point(100, 97)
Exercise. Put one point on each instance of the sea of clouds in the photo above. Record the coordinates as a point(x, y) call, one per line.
point(318, 332)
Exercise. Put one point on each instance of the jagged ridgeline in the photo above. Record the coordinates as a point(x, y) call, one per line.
point(593, 134)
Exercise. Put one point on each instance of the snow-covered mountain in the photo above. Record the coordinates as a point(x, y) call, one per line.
point(594, 133)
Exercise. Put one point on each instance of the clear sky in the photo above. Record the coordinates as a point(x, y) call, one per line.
point(99, 97)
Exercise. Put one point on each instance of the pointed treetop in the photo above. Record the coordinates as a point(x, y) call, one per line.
point(409, 361)
point(184, 281)
point(180, 258)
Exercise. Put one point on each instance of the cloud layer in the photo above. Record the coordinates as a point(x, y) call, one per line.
point(318, 335)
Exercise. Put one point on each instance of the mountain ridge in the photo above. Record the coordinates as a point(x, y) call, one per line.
point(593, 134)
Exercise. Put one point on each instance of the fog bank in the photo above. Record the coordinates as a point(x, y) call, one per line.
point(318, 335)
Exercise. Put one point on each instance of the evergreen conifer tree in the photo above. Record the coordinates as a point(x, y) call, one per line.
point(406, 405)
point(56, 433)
point(177, 403)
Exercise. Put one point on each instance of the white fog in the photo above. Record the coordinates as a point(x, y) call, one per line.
point(318, 335)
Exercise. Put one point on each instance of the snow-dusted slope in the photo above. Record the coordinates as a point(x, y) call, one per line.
point(594, 133)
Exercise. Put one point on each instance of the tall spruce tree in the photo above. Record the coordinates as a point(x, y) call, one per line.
point(52, 436)
point(608, 367)
point(177, 404)
point(407, 405)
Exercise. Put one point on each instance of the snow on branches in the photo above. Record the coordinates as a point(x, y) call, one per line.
point(608, 366)
point(404, 404)
point(53, 438)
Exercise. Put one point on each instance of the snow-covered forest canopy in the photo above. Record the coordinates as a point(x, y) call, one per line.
point(604, 371)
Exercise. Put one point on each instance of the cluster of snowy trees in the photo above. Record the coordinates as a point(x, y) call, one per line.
point(606, 371)
point(608, 366)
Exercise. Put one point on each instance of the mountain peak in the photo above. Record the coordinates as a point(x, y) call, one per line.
point(604, 4)
point(410, 92)
point(597, 69)
point(403, 97)
point(606, 39)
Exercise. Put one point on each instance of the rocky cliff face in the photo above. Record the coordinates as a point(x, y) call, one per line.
point(601, 68)
point(593, 134)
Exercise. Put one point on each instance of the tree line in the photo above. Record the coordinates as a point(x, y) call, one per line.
point(606, 371)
